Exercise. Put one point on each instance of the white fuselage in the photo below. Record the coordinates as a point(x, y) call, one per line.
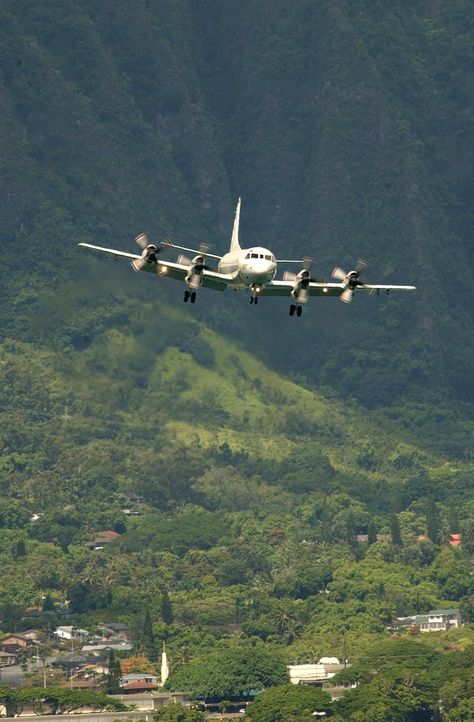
point(251, 267)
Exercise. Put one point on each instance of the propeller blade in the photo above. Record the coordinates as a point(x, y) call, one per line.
point(139, 263)
point(204, 248)
point(142, 241)
point(346, 296)
point(289, 276)
point(361, 264)
point(307, 262)
point(338, 273)
point(184, 260)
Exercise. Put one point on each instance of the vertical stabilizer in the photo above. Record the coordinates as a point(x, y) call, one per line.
point(234, 241)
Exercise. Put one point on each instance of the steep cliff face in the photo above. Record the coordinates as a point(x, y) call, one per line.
point(343, 126)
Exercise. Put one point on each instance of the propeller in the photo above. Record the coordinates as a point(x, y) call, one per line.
point(198, 261)
point(195, 265)
point(150, 252)
point(304, 274)
point(349, 280)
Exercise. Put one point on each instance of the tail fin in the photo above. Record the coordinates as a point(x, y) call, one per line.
point(234, 241)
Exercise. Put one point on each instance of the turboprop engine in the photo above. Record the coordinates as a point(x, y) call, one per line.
point(301, 281)
point(195, 268)
point(149, 254)
point(194, 276)
point(349, 280)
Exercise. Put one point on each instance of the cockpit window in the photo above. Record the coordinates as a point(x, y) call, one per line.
point(248, 255)
point(268, 258)
point(254, 255)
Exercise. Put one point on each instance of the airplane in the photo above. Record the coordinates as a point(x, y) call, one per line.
point(253, 269)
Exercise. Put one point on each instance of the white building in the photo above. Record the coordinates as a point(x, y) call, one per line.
point(434, 621)
point(317, 673)
point(68, 632)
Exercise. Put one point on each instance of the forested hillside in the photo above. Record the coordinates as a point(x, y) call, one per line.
point(260, 455)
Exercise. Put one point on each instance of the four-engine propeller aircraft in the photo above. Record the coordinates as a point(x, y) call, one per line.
point(253, 269)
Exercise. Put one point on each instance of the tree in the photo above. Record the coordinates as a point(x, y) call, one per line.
point(234, 672)
point(390, 697)
point(395, 530)
point(112, 684)
point(166, 608)
point(179, 713)
point(371, 533)
point(433, 522)
point(48, 604)
point(147, 644)
point(289, 703)
point(19, 549)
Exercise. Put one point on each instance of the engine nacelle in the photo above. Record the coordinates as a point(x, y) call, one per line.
point(194, 275)
point(149, 255)
point(300, 288)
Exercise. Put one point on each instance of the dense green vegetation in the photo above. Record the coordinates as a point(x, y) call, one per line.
point(289, 703)
point(54, 700)
point(269, 479)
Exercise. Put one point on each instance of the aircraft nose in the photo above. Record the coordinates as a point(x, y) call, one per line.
point(265, 269)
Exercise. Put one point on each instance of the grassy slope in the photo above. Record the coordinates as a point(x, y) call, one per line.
point(176, 377)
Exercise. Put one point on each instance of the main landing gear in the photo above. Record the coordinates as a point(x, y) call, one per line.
point(254, 299)
point(189, 295)
point(298, 309)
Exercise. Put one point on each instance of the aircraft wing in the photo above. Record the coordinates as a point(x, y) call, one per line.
point(210, 279)
point(178, 271)
point(375, 288)
point(315, 288)
point(284, 288)
point(110, 251)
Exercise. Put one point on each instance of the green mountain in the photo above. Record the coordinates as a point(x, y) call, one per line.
point(344, 128)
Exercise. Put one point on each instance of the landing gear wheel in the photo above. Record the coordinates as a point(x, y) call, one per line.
point(186, 296)
point(292, 310)
point(255, 300)
point(251, 299)
point(299, 310)
point(193, 296)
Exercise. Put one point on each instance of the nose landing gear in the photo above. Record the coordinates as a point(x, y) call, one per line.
point(189, 295)
point(254, 291)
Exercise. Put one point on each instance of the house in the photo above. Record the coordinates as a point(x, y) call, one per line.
point(338, 689)
point(139, 677)
point(36, 610)
point(120, 646)
point(455, 540)
point(14, 643)
point(93, 671)
point(138, 687)
point(7, 658)
point(72, 662)
point(70, 633)
point(103, 537)
point(434, 621)
point(439, 619)
point(32, 634)
point(113, 631)
point(112, 628)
